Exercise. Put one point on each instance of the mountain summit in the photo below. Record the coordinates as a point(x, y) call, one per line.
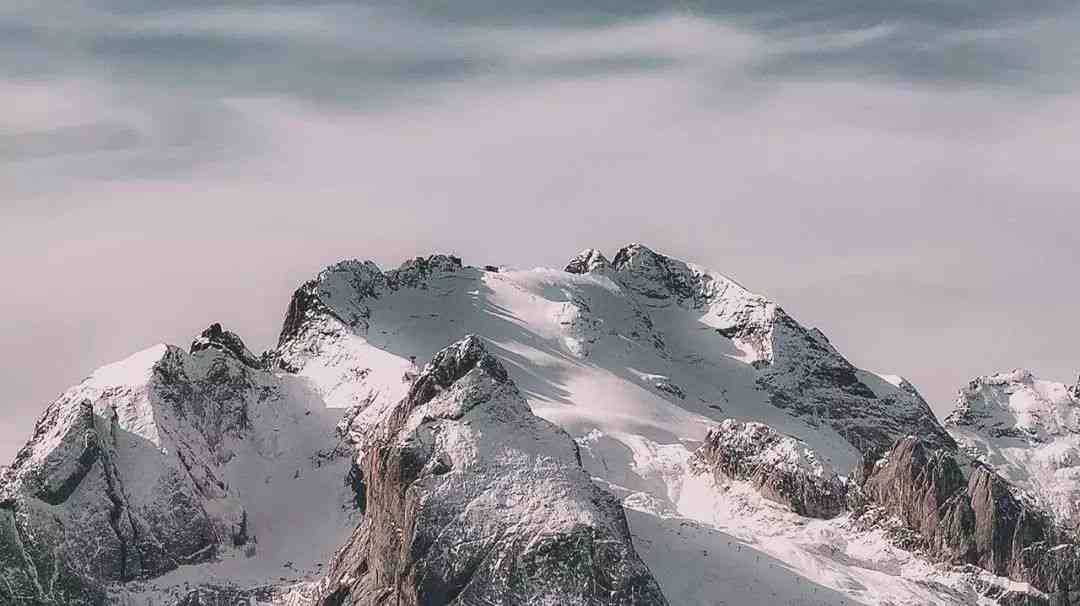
point(639, 431)
point(1028, 429)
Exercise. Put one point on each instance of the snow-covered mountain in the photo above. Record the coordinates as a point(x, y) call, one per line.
point(632, 431)
point(1028, 430)
point(472, 499)
point(169, 459)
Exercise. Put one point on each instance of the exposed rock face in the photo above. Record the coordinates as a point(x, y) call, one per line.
point(782, 468)
point(913, 483)
point(588, 260)
point(216, 337)
point(470, 499)
point(211, 595)
point(413, 272)
point(69, 493)
point(970, 515)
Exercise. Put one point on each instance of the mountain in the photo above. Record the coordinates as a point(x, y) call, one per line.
point(637, 430)
point(1028, 430)
point(168, 459)
point(472, 499)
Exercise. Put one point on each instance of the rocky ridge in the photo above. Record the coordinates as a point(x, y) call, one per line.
point(936, 501)
point(798, 367)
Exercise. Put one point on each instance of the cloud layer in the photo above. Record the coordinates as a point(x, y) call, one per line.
point(901, 176)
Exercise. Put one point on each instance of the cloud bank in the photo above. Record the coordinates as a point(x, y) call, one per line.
point(901, 176)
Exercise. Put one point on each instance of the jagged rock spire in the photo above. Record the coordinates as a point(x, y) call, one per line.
point(216, 337)
point(587, 261)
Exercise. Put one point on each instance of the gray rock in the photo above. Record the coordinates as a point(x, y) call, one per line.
point(471, 499)
point(966, 514)
point(586, 261)
point(216, 337)
point(781, 467)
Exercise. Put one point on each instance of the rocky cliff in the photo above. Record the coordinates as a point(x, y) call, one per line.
point(471, 499)
point(965, 513)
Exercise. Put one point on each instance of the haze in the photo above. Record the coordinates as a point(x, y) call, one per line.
point(902, 177)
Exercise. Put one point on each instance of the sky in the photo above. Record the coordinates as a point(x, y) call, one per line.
point(902, 175)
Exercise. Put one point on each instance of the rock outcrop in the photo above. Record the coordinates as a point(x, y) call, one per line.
point(75, 512)
point(782, 468)
point(967, 514)
point(470, 499)
point(587, 261)
point(216, 337)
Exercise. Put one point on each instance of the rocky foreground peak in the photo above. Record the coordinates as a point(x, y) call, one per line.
point(471, 499)
point(451, 364)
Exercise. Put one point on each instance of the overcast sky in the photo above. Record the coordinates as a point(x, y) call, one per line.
point(904, 175)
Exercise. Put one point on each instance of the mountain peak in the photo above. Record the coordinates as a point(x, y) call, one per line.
point(216, 337)
point(587, 261)
point(1016, 404)
point(451, 364)
point(416, 270)
point(1026, 428)
point(657, 276)
point(634, 251)
point(496, 496)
